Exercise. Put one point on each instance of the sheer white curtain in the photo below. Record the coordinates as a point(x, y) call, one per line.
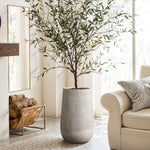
point(107, 81)
point(141, 47)
point(142, 26)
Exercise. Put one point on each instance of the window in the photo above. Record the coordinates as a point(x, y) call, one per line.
point(142, 40)
point(121, 54)
point(126, 47)
point(134, 51)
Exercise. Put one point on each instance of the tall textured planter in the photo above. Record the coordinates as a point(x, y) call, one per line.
point(77, 118)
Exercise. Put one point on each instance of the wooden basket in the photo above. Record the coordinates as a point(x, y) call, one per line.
point(28, 117)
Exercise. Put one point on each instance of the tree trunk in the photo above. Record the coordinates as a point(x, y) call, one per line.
point(75, 81)
point(75, 74)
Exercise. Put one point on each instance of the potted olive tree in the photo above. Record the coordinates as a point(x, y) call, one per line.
point(69, 31)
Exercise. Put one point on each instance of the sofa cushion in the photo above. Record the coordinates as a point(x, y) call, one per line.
point(137, 120)
point(138, 92)
point(145, 71)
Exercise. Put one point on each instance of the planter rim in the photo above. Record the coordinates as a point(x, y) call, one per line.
point(72, 88)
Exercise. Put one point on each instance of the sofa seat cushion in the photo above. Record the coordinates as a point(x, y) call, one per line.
point(137, 120)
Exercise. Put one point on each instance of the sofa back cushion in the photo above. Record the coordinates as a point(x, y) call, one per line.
point(145, 71)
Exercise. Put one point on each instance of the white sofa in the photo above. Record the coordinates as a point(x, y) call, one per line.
point(127, 130)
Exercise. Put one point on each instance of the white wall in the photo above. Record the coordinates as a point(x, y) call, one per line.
point(36, 61)
point(53, 83)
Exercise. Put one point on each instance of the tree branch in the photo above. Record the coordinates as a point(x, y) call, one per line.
point(52, 68)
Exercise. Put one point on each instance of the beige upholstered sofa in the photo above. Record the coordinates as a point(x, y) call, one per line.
point(127, 130)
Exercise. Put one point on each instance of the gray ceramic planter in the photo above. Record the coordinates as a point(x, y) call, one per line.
point(77, 117)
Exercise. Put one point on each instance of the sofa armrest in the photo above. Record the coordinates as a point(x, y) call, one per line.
point(116, 103)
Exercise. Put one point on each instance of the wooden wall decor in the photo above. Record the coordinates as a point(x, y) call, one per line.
point(9, 49)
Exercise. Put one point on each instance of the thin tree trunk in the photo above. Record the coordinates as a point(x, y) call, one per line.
point(76, 69)
point(75, 80)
